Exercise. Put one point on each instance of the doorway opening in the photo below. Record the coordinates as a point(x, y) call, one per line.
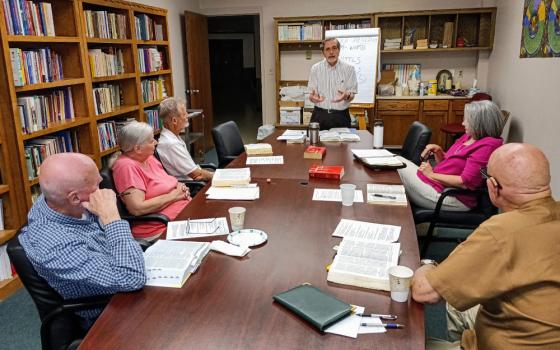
point(234, 46)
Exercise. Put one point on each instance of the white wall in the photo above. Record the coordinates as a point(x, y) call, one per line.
point(175, 15)
point(527, 87)
point(268, 9)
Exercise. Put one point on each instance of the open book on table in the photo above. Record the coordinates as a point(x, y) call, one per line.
point(378, 158)
point(170, 263)
point(364, 263)
point(386, 194)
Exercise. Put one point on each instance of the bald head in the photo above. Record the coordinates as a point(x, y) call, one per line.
point(522, 170)
point(63, 173)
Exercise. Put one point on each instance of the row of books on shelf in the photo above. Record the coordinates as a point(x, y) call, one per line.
point(108, 133)
point(105, 25)
point(153, 89)
point(300, 31)
point(6, 271)
point(37, 150)
point(152, 118)
point(365, 23)
point(106, 61)
point(35, 66)
point(28, 18)
point(150, 59)
point(106, 98)
point(40, 111)
point(147, 28)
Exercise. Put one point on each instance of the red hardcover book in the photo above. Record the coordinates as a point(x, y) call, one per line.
point(314, 152)
point(327, 171)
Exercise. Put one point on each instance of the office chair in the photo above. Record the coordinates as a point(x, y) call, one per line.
point(453, 219)
point(108, 182)
point(416, 140)
point(60, 326)
point(193, 185)
point(228, 142)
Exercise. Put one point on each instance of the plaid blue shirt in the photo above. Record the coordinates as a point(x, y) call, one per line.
point(78, 257)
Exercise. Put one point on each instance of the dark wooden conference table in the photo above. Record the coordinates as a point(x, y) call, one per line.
point(227, 303)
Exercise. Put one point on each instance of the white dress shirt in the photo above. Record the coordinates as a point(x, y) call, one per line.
point(175, 156)
point(327, 80)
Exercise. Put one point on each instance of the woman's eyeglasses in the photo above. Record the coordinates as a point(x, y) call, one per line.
point(485, 176)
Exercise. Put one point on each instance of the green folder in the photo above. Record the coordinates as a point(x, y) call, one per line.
point(314, 305)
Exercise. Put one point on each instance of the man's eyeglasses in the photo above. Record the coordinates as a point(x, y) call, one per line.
point(485, 176)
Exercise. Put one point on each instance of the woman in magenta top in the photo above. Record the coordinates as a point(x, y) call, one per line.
point(142, 182)
point(460, 165)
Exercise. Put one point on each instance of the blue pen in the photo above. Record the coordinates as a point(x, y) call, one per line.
point(386, 325)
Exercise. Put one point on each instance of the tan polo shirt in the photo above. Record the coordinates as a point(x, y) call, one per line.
point(511, 266)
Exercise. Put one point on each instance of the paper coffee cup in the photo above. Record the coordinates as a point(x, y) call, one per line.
point(400, 278)
point(237, 217)
point(347, 192)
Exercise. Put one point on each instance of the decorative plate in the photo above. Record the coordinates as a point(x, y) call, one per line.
point(247, 237)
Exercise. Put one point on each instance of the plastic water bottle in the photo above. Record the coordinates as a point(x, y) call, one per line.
point(378, 133)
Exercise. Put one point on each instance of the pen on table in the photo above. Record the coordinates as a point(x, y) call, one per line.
point(386, 325)
point(383, 316)
point(384, 196)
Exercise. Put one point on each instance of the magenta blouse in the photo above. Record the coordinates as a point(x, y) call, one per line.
point(466, 162)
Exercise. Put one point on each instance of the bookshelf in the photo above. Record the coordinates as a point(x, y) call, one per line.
point(74, 33)
point(298, 44)
point(469, 29)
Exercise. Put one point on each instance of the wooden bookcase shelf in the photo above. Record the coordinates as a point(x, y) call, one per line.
point(474, 26)
point(72, 43)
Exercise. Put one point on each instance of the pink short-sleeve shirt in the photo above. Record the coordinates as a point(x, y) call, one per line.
point(150, 178)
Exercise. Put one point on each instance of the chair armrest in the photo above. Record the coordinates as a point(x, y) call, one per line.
point(73, 305)
point(208, 166)
point(230, 157)
point(147, 217)
point(453, 191)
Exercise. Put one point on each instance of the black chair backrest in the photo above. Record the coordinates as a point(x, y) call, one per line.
point(416, 140)
point(108, 182)
point(228, 142)
point(62, 330)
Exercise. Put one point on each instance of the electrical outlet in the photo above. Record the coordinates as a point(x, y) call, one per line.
point(308, 54)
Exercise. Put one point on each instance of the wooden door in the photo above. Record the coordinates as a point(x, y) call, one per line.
point(199, 87)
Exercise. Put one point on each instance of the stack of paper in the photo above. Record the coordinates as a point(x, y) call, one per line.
point(294, 136)
point(265, 160)
point(367, 230)
point(197, 228)
point(231, 177)
point(170, 263)
point(240, 193)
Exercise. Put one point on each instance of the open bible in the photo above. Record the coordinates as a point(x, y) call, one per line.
point(364, 263)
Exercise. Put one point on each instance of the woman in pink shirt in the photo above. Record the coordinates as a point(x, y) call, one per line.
point(143, 184)
point(460, 165)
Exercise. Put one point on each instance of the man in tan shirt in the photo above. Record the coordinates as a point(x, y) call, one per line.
point(510, 265)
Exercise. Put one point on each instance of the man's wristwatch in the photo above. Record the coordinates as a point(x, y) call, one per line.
point(428, 262)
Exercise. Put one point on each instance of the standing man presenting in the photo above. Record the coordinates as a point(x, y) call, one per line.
point(332, 85)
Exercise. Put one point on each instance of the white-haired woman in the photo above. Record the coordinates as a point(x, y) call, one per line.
point(143, 184)
point(460, 166)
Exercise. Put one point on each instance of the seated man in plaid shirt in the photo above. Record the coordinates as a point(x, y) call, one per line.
point(75, 238)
